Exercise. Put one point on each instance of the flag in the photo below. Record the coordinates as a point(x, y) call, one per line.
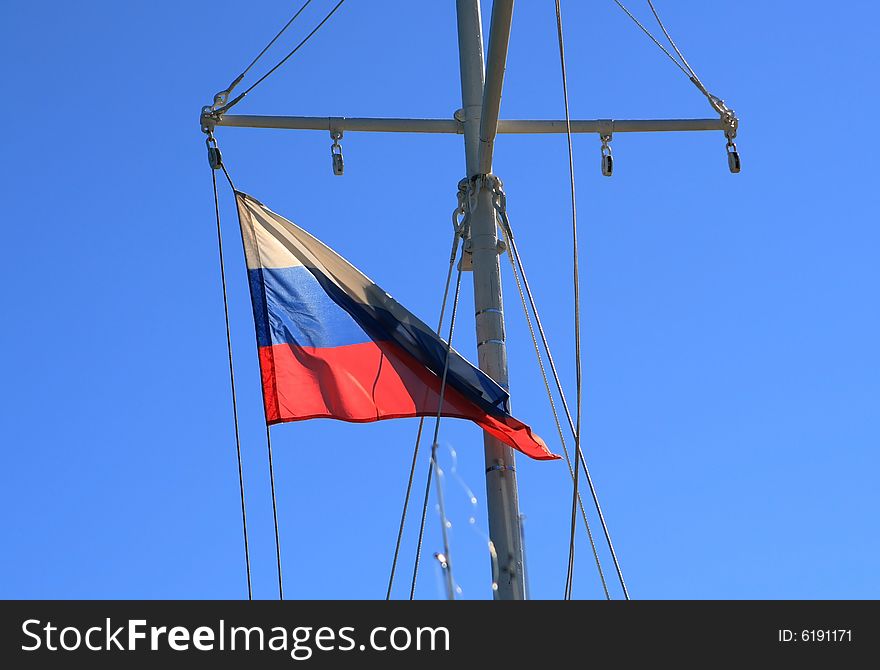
point(333, 344)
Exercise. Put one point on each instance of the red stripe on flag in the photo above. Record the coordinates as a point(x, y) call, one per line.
point(370, 382)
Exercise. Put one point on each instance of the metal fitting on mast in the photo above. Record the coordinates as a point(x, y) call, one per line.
point(607, 157)
point(731, 125)
point(215, 158)
point(733, 162)
point(211, 114)
point(336, 153)
point(606, 130)
point(468, 191)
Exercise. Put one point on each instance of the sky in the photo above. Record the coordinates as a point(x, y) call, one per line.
point(730, 322)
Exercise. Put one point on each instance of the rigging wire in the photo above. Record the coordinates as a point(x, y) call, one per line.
point(239, 98)
point(437, 472)
point(247, 559)
point(221, 97)
point(577, 305)
point(671, 41)
point(275, 514)
point(508, 234)
point(545, 342)
point(576, 426)
point(432, 465)
point(716, 103)
point(268, 439)
point(415, 574)
point(412, 471)
point(651, 36)
point(271, 42)
point(409, 483)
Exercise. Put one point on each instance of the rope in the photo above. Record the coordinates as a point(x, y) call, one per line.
point(577, 304)
point(247, 559)
point(577, 428)
point(576, 425)
point(275, 514)
point(412, 470)
point(565, 407)
point(671, 41)
point(508, 234)
point(241, 96)
point(653, 39)
point(221, 97)
point(268, 435)
point(272, 41)
point(436, 468)
point(525, 279)
point(412, 588)
point(409, 483)
point(432, 466)
point(716, 103)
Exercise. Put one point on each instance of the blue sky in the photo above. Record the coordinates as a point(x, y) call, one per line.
point(730, 322)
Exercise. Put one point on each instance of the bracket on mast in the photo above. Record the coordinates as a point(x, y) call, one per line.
point(467, 259)
point(208, 118)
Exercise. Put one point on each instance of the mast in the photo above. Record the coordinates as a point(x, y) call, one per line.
point(481, 100)
point(478, 121)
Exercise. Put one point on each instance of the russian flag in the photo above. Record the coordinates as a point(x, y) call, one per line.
point(333, 344)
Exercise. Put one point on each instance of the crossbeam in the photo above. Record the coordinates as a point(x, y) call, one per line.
point(456, 127)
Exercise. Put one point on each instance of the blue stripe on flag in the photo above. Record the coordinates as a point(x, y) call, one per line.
point(297, 310)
